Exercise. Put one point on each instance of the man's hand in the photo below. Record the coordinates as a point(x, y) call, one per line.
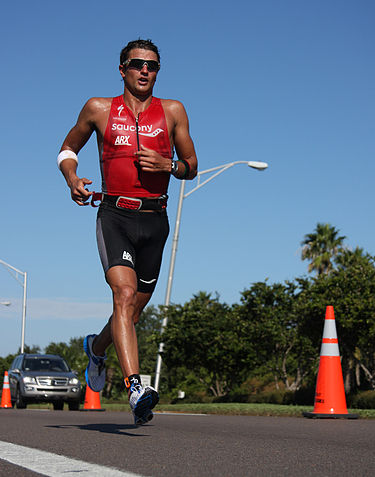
point(151, 161)
point(79, 193)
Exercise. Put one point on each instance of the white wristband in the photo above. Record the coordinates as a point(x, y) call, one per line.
point(66, 154)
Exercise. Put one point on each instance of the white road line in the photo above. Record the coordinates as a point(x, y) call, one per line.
point(54, 465)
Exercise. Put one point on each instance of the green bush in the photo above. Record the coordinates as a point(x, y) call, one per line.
point(269, 397)
point(273, 397)
point(305, 396)
point(302, 397)
point(363, 400)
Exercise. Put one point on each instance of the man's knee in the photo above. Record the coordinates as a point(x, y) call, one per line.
point(124, 295)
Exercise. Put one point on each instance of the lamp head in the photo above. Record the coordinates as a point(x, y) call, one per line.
point(258, 165)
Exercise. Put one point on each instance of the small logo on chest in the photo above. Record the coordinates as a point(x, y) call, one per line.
point(122, 141)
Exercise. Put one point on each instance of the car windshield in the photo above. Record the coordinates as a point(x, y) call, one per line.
point(45, 364)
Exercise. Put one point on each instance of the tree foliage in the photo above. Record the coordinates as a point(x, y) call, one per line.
point(321, 248)
point(275, 327)
point(206, 338)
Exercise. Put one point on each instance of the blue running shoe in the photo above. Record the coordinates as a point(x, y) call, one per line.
point(95, 371)
point(142, 400)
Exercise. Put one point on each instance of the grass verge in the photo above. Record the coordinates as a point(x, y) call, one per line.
point(233, 409)
point(244, 409)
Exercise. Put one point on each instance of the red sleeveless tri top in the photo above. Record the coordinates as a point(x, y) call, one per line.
point(121, 174)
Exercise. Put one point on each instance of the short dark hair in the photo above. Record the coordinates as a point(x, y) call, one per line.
point(141, 44)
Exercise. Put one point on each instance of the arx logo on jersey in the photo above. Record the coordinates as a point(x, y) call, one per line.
point(122, 141)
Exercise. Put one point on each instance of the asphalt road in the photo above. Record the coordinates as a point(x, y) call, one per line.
point(194, 445)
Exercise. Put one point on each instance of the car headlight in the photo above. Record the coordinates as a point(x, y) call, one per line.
point(73, 381)
point(29, 380)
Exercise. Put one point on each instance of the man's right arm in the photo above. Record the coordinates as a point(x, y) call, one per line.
point(73, 143)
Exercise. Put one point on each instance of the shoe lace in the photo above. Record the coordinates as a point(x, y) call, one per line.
point(136, 388)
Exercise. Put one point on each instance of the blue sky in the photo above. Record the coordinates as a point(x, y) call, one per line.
point(286, 82)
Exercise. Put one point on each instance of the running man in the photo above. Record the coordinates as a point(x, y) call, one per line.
point(136, 135)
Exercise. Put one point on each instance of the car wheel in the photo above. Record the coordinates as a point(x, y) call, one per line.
point(58, 406)
point(73, 406)
point(20, 403)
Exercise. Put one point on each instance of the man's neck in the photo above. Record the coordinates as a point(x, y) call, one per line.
point(136, 103)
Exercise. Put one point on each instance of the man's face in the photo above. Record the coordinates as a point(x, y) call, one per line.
point(141, 82)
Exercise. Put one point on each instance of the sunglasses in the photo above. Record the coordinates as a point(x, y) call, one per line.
point(138, 64)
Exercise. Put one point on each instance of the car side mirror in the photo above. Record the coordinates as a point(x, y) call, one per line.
point(16, 371)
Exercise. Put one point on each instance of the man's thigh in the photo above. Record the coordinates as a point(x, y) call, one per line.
point(121, 277)
point(116, 233)
point(154, 229)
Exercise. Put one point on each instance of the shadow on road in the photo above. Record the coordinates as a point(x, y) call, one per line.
point(106, 428)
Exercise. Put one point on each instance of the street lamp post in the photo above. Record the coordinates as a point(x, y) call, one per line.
point(15, 272)
point(215, 172)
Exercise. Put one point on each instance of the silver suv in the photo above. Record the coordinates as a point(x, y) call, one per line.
point(35, 378)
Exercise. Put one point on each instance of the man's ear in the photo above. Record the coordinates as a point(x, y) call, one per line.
point(122, 70)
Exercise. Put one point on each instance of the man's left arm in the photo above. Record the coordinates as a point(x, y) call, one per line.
point(187, 163)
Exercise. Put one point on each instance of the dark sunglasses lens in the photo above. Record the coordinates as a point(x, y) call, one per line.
point(137, 63)
point(152, 65)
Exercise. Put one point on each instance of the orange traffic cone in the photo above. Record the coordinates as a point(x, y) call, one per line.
point(6, 402)
point(330, 399)
point(92, 401)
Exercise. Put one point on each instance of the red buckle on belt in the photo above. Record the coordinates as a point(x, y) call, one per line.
point(128, 203)
point(96, 196)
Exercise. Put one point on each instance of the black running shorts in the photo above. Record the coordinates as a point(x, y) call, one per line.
point(132, 239)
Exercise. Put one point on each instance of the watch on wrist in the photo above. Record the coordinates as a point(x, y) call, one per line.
point(174, 167)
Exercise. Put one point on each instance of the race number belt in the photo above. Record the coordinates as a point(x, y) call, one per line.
point(131, 203)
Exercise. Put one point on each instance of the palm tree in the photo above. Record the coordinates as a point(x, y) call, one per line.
point(358, 256)
point(321, 248)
